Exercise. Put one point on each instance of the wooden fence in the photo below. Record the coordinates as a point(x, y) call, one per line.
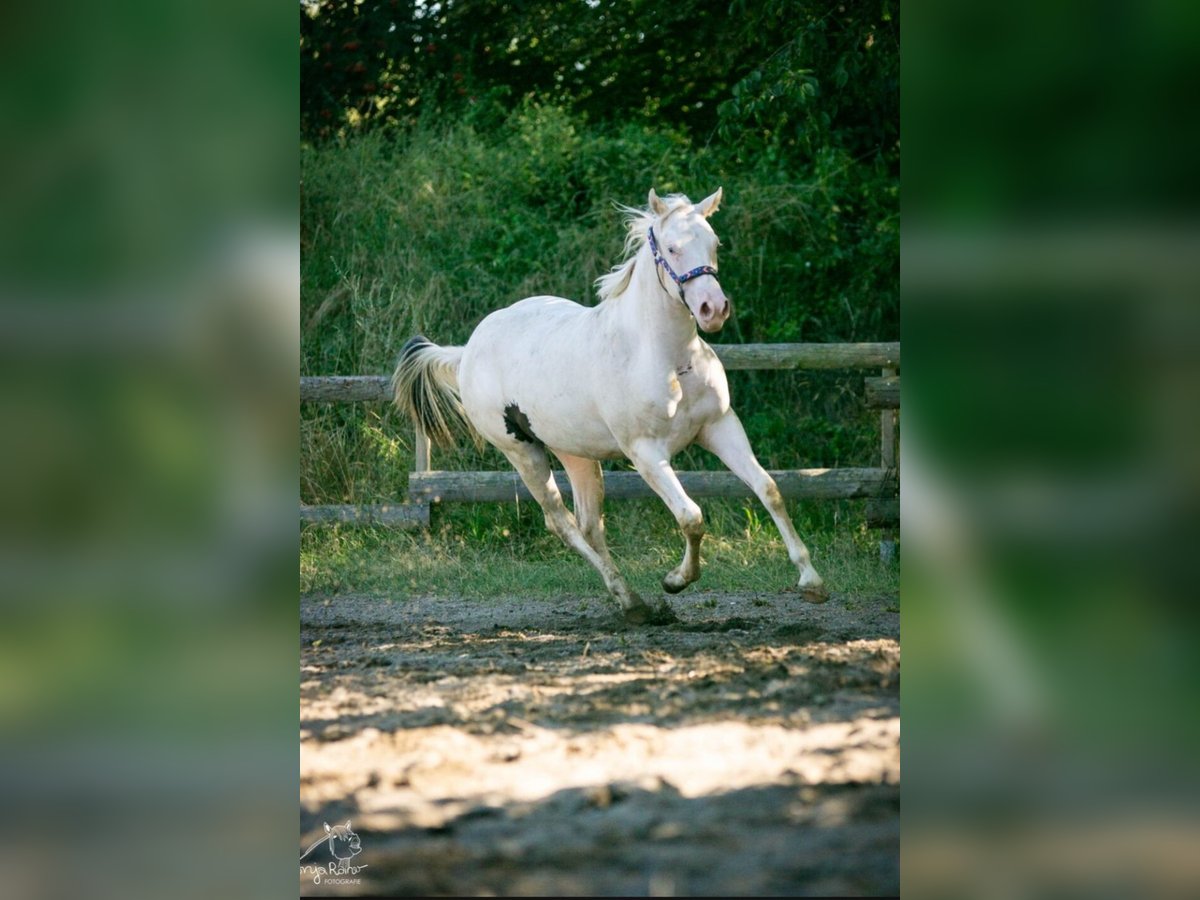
point(879, 486)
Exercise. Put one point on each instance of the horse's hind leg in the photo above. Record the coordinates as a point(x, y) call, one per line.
point(654, 465)
point(533, 466)
point(587, 486)
point(727, 439)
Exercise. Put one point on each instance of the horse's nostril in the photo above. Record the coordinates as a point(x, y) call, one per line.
point(705, 309)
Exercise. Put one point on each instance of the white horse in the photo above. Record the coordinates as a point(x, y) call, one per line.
point(628, 377)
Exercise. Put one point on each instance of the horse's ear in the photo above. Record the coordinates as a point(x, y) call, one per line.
point(348, 828)
point(327, 828)
point(656, 206)
point(710, 205)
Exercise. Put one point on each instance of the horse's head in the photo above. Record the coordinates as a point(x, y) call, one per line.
point(685, 246)
point(343, 842)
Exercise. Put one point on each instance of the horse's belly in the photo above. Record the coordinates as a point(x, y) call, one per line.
point(588, 438)
point(504, 416)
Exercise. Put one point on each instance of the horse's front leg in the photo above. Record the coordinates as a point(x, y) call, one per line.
point(727, 439)
point(654, 465)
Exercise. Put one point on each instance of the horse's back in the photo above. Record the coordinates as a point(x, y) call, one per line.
point(537, 332)
point(543, 313)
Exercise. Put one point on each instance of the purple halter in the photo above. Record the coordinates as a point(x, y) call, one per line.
point(679, 280)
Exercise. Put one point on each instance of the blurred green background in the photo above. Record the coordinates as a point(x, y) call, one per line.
point(1051, 285)
point(148, 360)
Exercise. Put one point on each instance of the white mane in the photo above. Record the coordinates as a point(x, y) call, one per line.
point(637, 224)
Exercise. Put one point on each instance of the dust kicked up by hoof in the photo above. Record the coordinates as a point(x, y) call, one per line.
point(662, 615)
point(650, 615)
point(637, 615)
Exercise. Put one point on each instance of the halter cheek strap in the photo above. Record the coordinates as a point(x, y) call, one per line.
point(679, 280)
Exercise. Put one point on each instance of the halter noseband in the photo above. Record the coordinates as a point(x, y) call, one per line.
point(679, 280)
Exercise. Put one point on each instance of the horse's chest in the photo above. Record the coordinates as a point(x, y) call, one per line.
point(693, 402)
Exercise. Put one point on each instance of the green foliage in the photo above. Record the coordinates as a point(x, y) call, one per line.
point(367, 61)
point(772, 76)
point(831, 80)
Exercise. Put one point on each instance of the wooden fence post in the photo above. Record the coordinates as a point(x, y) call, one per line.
point(421, 451)
point(889, 427)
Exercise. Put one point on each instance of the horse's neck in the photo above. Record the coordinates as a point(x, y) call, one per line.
point(652, 318)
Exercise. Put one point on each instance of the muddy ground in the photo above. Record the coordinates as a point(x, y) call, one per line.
point(540, 747)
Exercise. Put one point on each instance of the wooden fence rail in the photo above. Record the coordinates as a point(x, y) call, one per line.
point(798, 484)
point(376, 388)
point(880, 486)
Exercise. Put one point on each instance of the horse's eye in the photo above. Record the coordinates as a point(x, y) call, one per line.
point(674, 250)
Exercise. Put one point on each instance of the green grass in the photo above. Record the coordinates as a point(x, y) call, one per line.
point(494, 550)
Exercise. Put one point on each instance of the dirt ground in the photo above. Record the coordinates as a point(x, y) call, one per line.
point(541, 747)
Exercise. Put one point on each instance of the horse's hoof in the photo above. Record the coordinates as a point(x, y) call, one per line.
point(815, 594)
point(673, 583)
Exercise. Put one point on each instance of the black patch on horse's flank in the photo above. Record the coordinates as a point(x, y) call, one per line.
point(517, 424)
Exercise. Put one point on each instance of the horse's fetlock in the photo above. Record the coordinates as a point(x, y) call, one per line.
point(809, 577)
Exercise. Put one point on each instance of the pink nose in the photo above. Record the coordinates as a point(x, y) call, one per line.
point(713, 311)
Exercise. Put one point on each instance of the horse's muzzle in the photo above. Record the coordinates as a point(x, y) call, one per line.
point(712, 312)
